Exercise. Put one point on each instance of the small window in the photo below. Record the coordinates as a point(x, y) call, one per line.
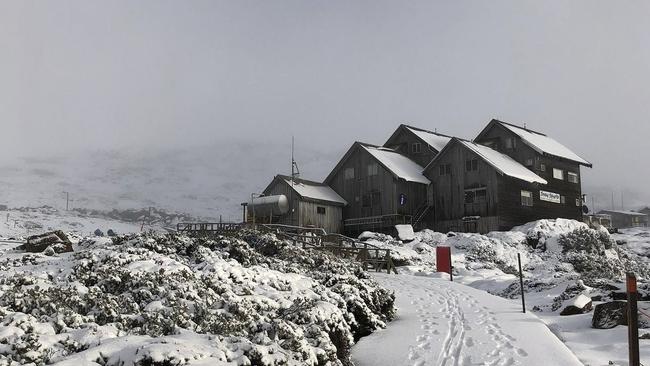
point(349, 173)
point(373, 169)
point(558, 174)
point(572, 177)
point(526, 198)
point(542, 167)
point(365, 200)
point(375, 198)
point(510, 143)
point(469, 196)
point(445, 169)
point(529, 162)
point(320, 210)
point(562, 199)
point(471, 165)
point(416, 148)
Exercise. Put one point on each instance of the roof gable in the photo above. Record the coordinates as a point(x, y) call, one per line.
point(538, 141)
point(502, 163)
point(308, 189)
point(435, 140)
point(397, 164)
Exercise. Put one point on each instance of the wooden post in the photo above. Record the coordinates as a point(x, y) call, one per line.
point(521, 284)
point(632, 320)
point(451, 267)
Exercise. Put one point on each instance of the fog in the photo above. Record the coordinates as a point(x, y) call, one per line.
point(81, 76)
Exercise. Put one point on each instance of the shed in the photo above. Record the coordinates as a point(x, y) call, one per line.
point(626, 219)
point(311, 204)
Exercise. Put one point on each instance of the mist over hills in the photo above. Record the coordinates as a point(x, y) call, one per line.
point(206, 181)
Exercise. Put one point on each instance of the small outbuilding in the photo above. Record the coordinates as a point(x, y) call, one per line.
point(626, 219)
point(299, 202)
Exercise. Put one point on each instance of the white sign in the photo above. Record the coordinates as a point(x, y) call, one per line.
point(549, 197)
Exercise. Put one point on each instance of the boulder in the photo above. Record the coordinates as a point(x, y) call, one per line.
point(110, 232)
point(609, 314)
point(579, 305)
point(99, 233)
point(57, 240)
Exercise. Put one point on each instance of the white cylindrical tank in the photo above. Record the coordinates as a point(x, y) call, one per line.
point(268, 205)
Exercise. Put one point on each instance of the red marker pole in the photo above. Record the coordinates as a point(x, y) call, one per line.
point(632, 320)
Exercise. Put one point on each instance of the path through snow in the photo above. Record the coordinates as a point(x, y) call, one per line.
point(448, 324)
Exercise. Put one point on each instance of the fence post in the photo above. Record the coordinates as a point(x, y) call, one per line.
point(521, 284)
point(632, 320)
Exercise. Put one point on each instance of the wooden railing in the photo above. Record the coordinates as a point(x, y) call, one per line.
point(185, 227)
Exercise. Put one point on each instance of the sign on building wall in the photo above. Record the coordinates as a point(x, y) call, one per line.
point(550, 197)
point(402, 199)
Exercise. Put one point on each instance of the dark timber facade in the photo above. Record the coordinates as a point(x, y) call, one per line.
point(382, 187)
point(311, 204)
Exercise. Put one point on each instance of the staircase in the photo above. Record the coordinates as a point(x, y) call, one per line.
point(420, 214)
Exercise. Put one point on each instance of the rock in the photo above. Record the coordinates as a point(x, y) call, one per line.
point(609, 315)
point(110, 232)
point(57, 240)
point(579, 305)
point(3, 207)
point(99, 233)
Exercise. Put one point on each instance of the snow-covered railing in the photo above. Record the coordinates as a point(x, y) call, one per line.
point(208, 226)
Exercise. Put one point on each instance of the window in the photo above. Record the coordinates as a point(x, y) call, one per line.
point(365, 201)
point(349, 173)
point(416, 148)
point(375, 198)
point(527, 198)
point(373, 169)
point(542, 167)
point(510, 143)
point(578, 202)
point(471, 165)
point(562, 199)
point(572, 177)
point(445, 169)
point(558, 174)
point(475, 195)
point(320, 210)
point(529, 162)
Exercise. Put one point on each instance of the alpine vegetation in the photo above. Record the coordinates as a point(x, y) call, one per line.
point(168, 299)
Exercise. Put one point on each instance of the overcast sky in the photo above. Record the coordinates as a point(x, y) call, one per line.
point(108, 74)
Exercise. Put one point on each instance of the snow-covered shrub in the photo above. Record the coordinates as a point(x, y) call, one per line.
point(249, 300)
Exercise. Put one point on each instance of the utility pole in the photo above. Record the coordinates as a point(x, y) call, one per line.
point(295, 172)
point(67, 200)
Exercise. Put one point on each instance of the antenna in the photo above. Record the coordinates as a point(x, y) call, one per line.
point(295, 172)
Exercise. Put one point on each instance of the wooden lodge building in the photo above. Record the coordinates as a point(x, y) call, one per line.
point(507, 176)
point(382, 187)
point(310, 204)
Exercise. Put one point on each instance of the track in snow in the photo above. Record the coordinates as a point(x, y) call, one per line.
point(446, 324)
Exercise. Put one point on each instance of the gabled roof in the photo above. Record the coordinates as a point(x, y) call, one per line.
point(436, 140)
point(312, 190)
point(501, 162)
point(399, 165)
point(539, 142)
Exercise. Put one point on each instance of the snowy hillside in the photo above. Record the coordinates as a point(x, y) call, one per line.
point(205, 181)
point(170, 300)
point(562, 260)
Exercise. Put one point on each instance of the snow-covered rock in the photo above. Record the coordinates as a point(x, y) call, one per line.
point(579, 305)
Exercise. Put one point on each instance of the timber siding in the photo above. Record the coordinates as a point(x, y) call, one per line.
point(303, 211)
point(373, 195)
point(402, 141)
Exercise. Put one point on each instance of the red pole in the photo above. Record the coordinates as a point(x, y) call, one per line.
point(632, 320)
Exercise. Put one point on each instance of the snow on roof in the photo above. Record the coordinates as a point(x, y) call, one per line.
point(503, 163)
point(434, 140)
point(631, 213)
point(316, 191)
point(398, 164)
point(545, 144)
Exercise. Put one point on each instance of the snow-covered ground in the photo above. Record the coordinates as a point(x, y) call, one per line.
point(562, 260)
point(445, 323)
